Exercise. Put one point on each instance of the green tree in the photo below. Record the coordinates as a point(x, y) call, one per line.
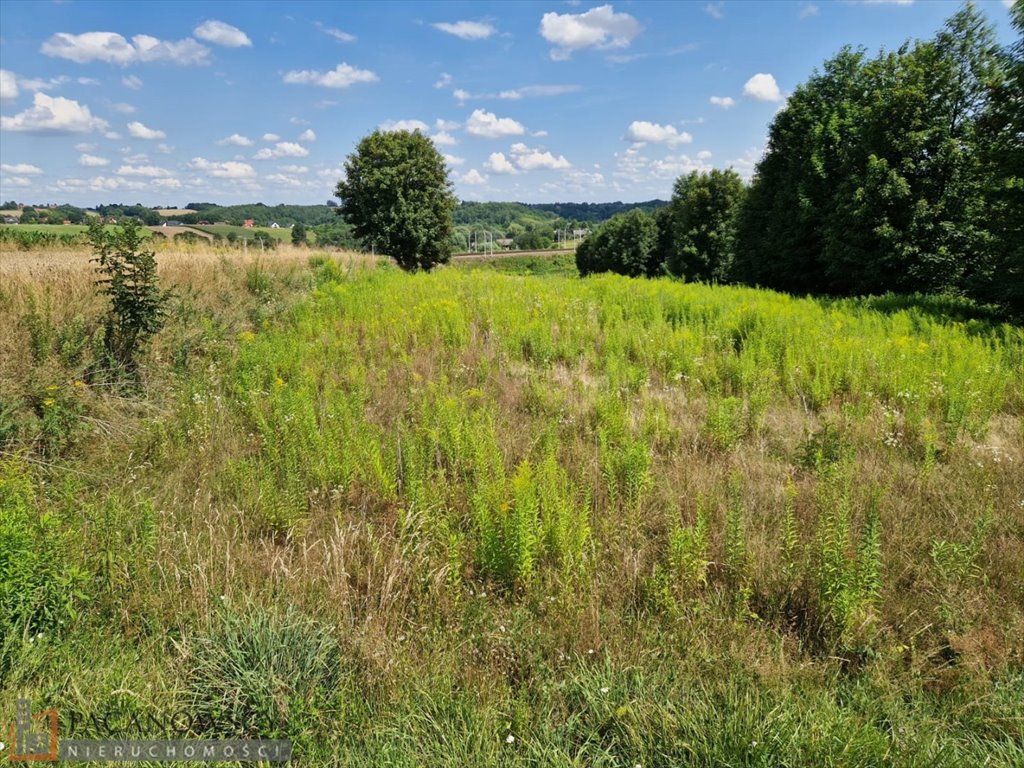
point(397, 196)
point(624, 244)
point(128, 278)
point(697, 234)
point(299, 234)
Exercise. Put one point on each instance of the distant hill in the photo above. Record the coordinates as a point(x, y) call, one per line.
point(594, 212)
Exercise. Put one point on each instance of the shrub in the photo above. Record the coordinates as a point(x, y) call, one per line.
point(128, 278)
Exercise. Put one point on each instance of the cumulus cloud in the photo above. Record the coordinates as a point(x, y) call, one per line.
point(115, 49)
point(24, 169)
point(762, 87)
point(342, 76)
point(444, 139)
point(294, 168)
point(538, 90)
point(131, 81)
point(124, 109)
point(404, 125)
point(227, 170)
point(8, 85)
point(489, 126)
point(307, 135)
point(139, 131)
point(17, 181)
point(642, 131)
point(461, 95)
point(165, 149)
point(271, 137)
point(92, 161)
point(235, 140)
point(284, 181)
point(149, 171)
point(467, 30)
point(53, 115)
point(723, 101)
point(443, 81)
point(599, 28)
point(282, 149)
point(454, 160)
point(220, 33)
point(531, 159)
point(473, 177)
point(498, 163)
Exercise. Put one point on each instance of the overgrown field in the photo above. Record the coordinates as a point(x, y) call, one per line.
point(472, 518)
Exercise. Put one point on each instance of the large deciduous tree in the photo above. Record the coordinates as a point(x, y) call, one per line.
point(699, 228)
point(624, 244)
point(397, 196)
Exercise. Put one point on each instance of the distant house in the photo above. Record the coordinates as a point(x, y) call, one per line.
point(274, 225)
point(249, 224)
point(10, 220)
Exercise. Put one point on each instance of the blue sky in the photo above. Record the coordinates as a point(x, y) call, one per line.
point(169, 103)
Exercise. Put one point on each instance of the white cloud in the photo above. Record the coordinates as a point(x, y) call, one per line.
point(532, 159)
point(715, 10)
point(467, 30)
point(131, 81)
point(704, 154)
point(124, 109)
point(339, 35)
point(282, 149)
point(164, 149)
point(599, 28)
point(473, 177)
point(762, 87)
point(219, 33)
point(226, 170)
point(643, 131)
point(139, 131)
point(235, 140)
point(445, 125)
point(92, 161)
point(404, 125)
point(88, 81)
point(8, 85)
point(498, 163)
point(307, 135)
point(285, 181)
point(1008, 3)
point(166, 183)
point(454, 160)
point(17, 181)
point(342, 76)
point(723, 101)
point(271, 137)
point(809, 10)
point(489, 126)
point(294, 168)
point(85, 146)
point(112, 135)
point(538, 90)
point(539, 134)
point(115, 49)
point(149, 171)
point(53, 115)
point(443, 81)
point(462, 96)
point(444, 139)
point(22, 168)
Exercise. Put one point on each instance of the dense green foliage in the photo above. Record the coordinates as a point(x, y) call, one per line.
point(878, 174)
point(625, 244)
point(299, 234)
point(262, 215)
point(57, 215)
point(397, 196)
point(697, 230)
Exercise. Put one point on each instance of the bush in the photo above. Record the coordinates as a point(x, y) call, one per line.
point(128, 277)
point(624, 244)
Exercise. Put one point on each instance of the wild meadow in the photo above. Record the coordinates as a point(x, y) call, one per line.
point(474, 517)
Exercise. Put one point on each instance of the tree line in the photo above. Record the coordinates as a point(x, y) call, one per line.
point(900, 172)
